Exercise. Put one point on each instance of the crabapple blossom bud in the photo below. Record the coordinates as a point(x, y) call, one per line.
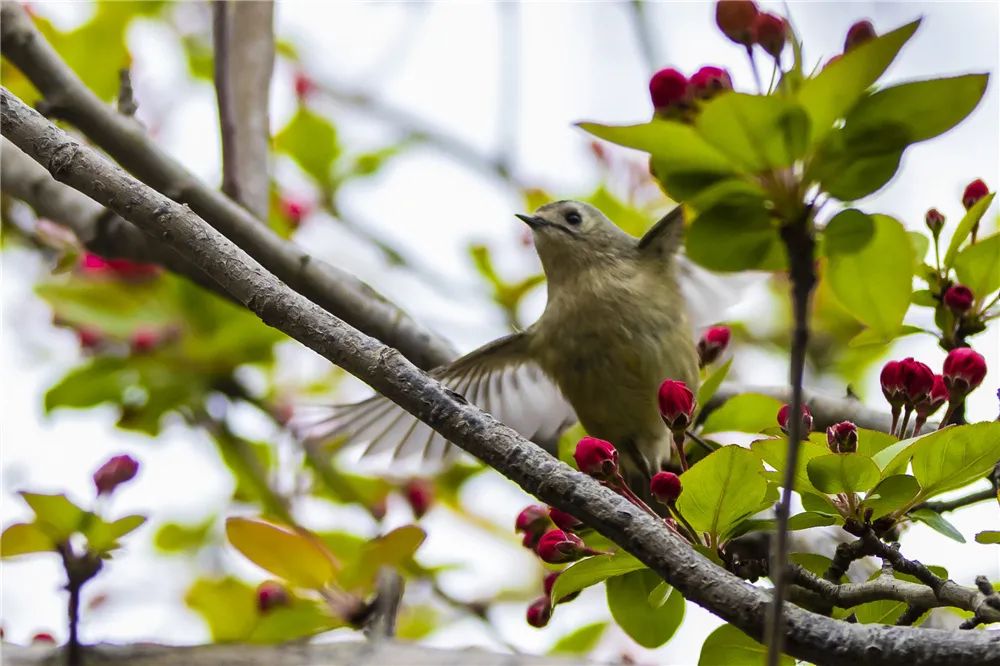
point(964, 370)
point(668, 88)
point(906, 382)
point(144, 340)
point(294, 210)
point(974, 191)
point(842, 437)
point(934, 220)
point(304, 85)
point(597, 458)
point(735, 19)
point(676, 404)
point(937, 397)
point(665, 486)
point(565, 521)
point(709, 81)
point(959, 298)
point(43, 638)
point(557, 546)
point(549, 581)
point(89, 337)
point(115, 472)
point(807, 419)
point(271, 594)
point(530, 540)
point(712, 343)
point(770, 32)
point(533, 519)
point(539, 612)
point(858, 34)
point(419, 495)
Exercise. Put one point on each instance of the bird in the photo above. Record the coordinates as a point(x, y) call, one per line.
point(614, 327)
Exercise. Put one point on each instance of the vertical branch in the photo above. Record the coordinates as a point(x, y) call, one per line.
point(244, 59)
point(800, 247)
point(647, 44)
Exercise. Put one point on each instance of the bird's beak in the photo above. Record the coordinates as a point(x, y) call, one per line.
point(533, 221)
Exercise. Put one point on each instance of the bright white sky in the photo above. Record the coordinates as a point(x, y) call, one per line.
point(442, 62)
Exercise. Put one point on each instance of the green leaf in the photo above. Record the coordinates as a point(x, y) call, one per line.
point(937, 522)
point(871, 442)
point(836, 89)
point(178, 538)
point(301, 559)
point(748, 412)
point(775, 451)
point(722, 489)
point(389, 550)
point(580, 641)
point(800, 521)
point(849, 171)
point(676, 143)
point(758, 132)
point(978, 266)
point(300, 619)
point(964, 228)
point(103, 536)
point(817, 503)
point(25, 538)
point(628, 600)
point(988, 536)
point(735, 238)
point(955, 456)
point(115, 307)
point(593, 570)
point(56, 515)
point(871, 337)
point(881, 299)
point(729, 646)
point(711, 384)
point(417, 621)
point(310, 140)
point(891, 494)
point(883, 611)
point(228, 606)
point(842, 473)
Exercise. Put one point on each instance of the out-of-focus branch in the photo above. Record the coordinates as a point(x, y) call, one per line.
point(807, 636)
point(244, 59)
point(126, 141)
point(945, 506)
point(644, 34)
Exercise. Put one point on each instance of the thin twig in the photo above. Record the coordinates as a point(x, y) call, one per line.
point(945, 506)
point(644, 35)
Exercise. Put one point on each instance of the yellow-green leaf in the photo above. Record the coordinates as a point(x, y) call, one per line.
point(301, 559)
point(24, 538)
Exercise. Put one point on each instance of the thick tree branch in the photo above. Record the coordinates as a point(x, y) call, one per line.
point(244, 59)
point(807, 635)
point(126, 141)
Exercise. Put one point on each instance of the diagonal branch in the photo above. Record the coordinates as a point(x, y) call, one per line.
point(126, 141)
point(807, 635)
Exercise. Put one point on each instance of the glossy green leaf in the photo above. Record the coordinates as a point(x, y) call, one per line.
point(894, 458)
point(103, 536)
point(815, 502)
point(978, 266)
point(300, 559)
point(748, 412)
point(850, 171)
point(938, 523)
point(711, 384)
point(955, 457)
point(228, 606)
point(735, 238)
point(580, 641)
point(593, 570)
point(628, 600)
point(775, 452)
point(842, 473)
point(837, 88)
point(728, 646)
point(758, 132)
point(871, 442)
point(392, 549)
point(881, 299)
point(56, 515)
point(678, 144)
point(23, 539)
point(891, 494)
point(971, 219)
point(988, 536)
point(722, 489)
point(872, 337)
point(310, 140)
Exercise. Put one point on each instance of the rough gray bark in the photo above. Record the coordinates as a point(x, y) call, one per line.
point(126, 141)
point(807, 635)
point(244, 60)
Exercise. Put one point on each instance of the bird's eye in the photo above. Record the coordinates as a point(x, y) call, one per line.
point(573, 218)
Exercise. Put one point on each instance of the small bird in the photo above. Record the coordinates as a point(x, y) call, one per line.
point(614, 327)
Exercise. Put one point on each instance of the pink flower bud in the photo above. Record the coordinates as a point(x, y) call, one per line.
point(842, 437)
point(43, 638)
point(144, 340)
point(937, 397)
point(119, 268)
point(557, 547)
point(533, 519)
point(295, 210)
point(668, 89)
point(858, 34)
point(272, 594)
point(665, 486)
point(565, 521)
point(708, 81)
point(906, 382)
point(964, 370)
point(114, 472)
point(419, 495)
point(530, 540)
point(597, 458)
point(549, 581)
point(934, 220)
point(304, 86)
point(807, 419)
point(770, 32)
point(89, 337)
point(735, 19)
point(959, 298)
point(974, 191)
point(676, 404)
point(539, 612)
point(712, 344)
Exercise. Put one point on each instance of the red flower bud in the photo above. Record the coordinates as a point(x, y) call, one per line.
point(959, 298)
point(709, 81)
point(549, 581)
point(770, 32)
point(676, 404)
point(565, 521)
point(974, 191)
point(597, 457)
point(539, 612)
point(807, 419)
point(533, 519)
point(906, 382)
point(858, 34)
point(668, 89)
point(379, 509)
point(120, 268)
point(530, 540)
point(43, 638)
point(89, 337)
point(964, 369)
point(557, 546)
point(144, 340)
point(937, 397)
point(114, 472)
point(419, 495)
point(735, 19)
point(304, 86)
point(295, 210)
point(842, 437)
point(712, 344)
point(934, 220)
point(665, 486)
point(272, 594)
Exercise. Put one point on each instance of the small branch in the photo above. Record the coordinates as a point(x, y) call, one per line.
point(644, 35)
point(945, 506)
point(385, 608)
point(126, 103)
point(79, 569)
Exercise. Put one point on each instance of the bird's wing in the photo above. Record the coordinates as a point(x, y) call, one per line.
point(499, 377)
point(665, 237)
